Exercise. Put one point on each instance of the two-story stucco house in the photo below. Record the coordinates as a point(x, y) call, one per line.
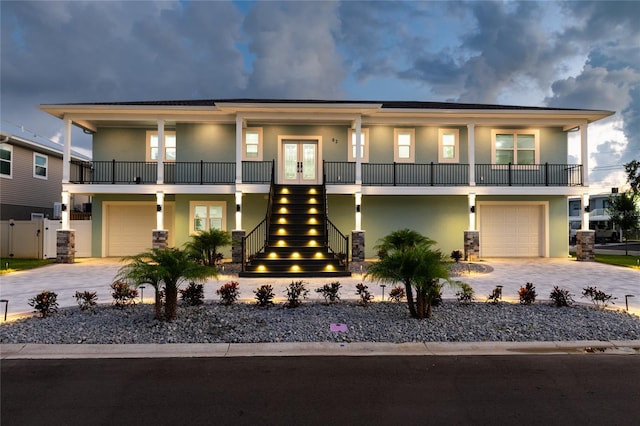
point(490, 179)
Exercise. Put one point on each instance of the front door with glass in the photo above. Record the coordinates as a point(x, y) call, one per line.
point(300, 162)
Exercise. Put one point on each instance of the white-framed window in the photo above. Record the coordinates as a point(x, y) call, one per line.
point(448, 145)
point(40, 166)
point(206, 215)
point(252, 144)
point(364, 145)
point(169, 145)
point(515, 146)
point(404, 145)
point(6, 160)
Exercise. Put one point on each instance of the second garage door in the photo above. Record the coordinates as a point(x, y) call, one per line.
point(129, 227)
point(512, 230)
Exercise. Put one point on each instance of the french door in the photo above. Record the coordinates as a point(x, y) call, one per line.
point(299, 162)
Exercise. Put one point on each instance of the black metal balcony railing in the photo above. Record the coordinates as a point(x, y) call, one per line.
point(528, 174)
point(398, 174)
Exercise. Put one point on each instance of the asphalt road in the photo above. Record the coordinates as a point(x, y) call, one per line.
point(585, 389)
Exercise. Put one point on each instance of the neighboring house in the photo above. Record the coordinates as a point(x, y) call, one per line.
point(491, 179)
point(599, 218)
point(31, 176)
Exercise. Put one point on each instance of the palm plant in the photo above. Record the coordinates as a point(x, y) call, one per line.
point(165, 270)
point(204, 246)
point(407, 257)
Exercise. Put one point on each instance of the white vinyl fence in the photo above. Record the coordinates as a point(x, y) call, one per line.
point(25, 239)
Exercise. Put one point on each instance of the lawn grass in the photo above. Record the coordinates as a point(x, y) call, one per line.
point(619, 260)
point(12, 265)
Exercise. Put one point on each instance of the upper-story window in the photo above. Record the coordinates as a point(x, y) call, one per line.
point(40, 166)
point(252, 144)
point(404, 145)
point(6, 160)
point(515, 146)
point(364, 145)
point(448, 145)
point(169, 146)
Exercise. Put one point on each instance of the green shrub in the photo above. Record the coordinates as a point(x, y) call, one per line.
point(495, 295)
point(465, 294)
point(598, 297)
point(264, 295)
point(365, 295)
point(86, 299)
point(527, 294)
point(457, 255)
point(295, 292)
point(397, 294)
point(229, 292)
point(45, 302)
point(123, 294)
point(193, 295)
point(330, 292)
point(561, 297)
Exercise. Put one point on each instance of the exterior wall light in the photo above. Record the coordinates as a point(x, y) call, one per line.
point(158, 207)
point(238, 207)
point(472, 209)
point(587, 209)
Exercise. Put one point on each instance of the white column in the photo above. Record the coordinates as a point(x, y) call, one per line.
point(471, 131)
point(239, 127)
point(358, 211)
point(472, 212)
point(160, 179)
point(65, 211)
point(585, 211)
point(160, 210)
point(584, 154)
point(358, 151)
point(238, 210)
point(66, 153)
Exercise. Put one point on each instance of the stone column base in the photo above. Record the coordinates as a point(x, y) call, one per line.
point(236, 245)
point(471, 245)
point(357, 246)
point(65, 246)
point(160, 238)
point(585, 246)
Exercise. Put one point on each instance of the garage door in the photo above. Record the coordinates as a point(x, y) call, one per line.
point(511, 230)
point(129, 227)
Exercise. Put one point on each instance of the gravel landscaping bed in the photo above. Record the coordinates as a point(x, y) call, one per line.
point(378, 322)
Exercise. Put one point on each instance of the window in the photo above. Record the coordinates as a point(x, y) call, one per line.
point(206, 215)
point(515, 146)
point(169, 146)
point(6, 159)
point(40, 165)
point(252, 144)
point(364, 145)
point(448, 145)
point(404, 146)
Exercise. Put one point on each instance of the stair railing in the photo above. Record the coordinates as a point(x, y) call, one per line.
point(334, 240)
point(256, 240)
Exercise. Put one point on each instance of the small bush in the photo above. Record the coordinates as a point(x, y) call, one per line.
point(457, 255)
point(436, 296)
point(45, 302)
point(295, 291)
point(193, 295)
point(229, 292)
point(495, 295)
point(365, 295)
point(330, 292)
point(86, 299)
point(598, 297)
point(527, 294)
point(561, 297)
point(264, 295)
point(123, 294)
point(465, 294)
point(397, 294)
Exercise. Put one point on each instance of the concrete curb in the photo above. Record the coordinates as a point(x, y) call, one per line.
point(224, 350)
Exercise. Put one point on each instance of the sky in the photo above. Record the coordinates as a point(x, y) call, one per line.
point(575, 54)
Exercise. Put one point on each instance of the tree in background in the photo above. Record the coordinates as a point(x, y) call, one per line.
point(624, 213)
point(633, 175)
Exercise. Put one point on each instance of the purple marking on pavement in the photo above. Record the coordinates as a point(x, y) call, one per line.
point(338, 327)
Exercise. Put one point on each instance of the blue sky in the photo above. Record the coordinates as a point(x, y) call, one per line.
point(573, 54)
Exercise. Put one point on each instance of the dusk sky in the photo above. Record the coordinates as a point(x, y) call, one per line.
point(561, 54)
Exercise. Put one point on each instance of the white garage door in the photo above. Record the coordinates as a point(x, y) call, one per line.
point(130, 226)
point(511, 230)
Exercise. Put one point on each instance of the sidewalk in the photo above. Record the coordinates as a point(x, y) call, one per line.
point(95, 274)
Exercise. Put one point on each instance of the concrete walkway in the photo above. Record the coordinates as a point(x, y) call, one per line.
point(95, 274)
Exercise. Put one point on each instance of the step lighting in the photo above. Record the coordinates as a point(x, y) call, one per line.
point(262, 268)
point(313, 201)
point(282, 220)
point(295, 268)
point(273, 255)
point(313, 191)
point(318, 255)
point(312, 243)
point(283, 210)
point(282, 231)
point(329, 268)
point(312, 221)
point(313, 210)
point(284, 200)
point(284, 191)
point(312, 232)
point(295, 255)
point(281, 243)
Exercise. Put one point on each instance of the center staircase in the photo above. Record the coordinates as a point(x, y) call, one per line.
point(296, 239)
